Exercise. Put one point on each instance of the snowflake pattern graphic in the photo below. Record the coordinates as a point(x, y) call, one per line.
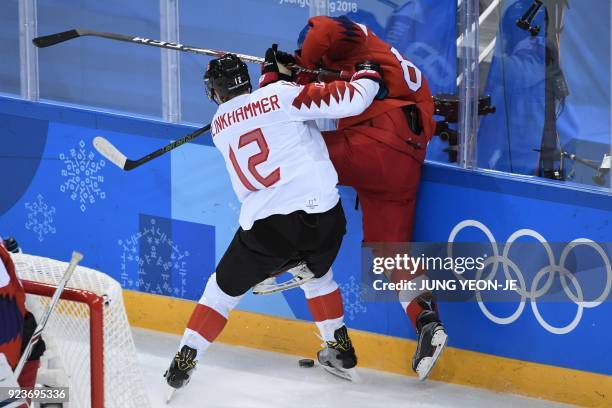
point(83, 180)
point(351, 297)
point(158, 256)
point(40, 217)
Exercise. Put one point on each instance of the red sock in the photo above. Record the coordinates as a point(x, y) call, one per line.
point(327, 306)
point(207, 322)
point(328, 313)
point(413, 311)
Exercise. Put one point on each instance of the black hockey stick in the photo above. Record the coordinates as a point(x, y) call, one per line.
point(58, 38)
point(53, 39)
point(113, 154)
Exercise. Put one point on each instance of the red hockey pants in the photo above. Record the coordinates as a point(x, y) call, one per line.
point(374, 158)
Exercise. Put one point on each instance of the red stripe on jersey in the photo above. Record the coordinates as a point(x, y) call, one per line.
point(318, 92)
point(207, 322)
point(326, 307)
point(12, 310)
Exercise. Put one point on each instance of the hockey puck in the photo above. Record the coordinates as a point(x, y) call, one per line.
point(306, 363)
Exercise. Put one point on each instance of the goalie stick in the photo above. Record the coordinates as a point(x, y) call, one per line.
point(75, 259)
point(113, 154)
point(57, 38)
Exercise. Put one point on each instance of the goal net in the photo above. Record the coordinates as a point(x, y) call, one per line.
point(89, 342)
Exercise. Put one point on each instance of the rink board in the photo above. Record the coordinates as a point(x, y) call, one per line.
point(161, 229)
point(381, 352)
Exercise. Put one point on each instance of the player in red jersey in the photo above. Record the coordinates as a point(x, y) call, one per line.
point(380, 152)
point(16, 323)
point(12, 309)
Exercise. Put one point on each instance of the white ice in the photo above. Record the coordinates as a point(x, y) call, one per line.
point(241, 377)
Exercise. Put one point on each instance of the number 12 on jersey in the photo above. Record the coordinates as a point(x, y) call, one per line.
point(254, 136)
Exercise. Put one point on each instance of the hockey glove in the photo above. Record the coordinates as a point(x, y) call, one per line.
point(371, 70)
point(275, 66)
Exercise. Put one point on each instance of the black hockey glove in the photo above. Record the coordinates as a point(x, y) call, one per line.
point(275, 66)
point(373, 71)
point(11, 245)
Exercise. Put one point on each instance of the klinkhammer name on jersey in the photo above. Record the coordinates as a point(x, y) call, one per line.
point(248, 111)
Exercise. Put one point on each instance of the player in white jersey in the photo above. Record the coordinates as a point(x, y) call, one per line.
point(291, 212)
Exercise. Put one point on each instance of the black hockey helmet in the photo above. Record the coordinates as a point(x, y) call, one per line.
point(228, 77)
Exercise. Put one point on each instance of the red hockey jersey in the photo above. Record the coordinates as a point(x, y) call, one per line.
point(340, 43)
point(12, 309)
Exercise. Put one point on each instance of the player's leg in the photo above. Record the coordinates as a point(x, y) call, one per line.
point(380, 154)
point(355, 156)
point(321, 240)
point(386, 175)
point(238, 271)
point(392, 221)
point(386, 179)
point(325, 304)
point(206, 323)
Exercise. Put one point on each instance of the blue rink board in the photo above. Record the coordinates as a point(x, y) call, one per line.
point(161, 228)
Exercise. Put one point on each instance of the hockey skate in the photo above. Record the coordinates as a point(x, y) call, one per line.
point(432, 339)
point(178, 374)
point(338, 357)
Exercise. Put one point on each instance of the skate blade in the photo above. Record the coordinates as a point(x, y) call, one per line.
point(268, 289)
point(439, 340)
point(349, 374)
point(170, 394)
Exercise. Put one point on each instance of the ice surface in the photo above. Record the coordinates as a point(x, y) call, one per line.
point(241, 377)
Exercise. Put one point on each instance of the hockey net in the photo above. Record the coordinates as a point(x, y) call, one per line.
point(90, 347)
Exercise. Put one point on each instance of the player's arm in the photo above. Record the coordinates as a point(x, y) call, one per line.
point(334, 100)
point(337, 99)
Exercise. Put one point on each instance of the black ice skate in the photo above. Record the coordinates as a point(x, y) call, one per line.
point(338, 357)
point(432, 339)
point(179, 372)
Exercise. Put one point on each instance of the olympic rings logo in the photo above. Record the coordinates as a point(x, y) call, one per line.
point(550, 271)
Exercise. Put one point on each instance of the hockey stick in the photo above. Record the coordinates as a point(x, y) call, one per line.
point(76, 258)
point(113, 154)
point(57, 38)
point(53, 39)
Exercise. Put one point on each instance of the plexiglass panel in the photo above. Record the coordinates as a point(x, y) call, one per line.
point(549, 79)
point(424, 31)
point(544, 63)
point(100, 72)
point(244, 26)
point(9, 46)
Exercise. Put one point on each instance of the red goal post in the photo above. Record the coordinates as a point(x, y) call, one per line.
point(96, 331)
point(88, 334)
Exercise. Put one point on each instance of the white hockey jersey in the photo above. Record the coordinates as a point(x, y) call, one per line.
point(275, 155)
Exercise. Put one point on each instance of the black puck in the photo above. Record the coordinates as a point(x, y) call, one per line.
point(306, 363)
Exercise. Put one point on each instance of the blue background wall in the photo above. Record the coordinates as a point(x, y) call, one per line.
point(162, 228)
